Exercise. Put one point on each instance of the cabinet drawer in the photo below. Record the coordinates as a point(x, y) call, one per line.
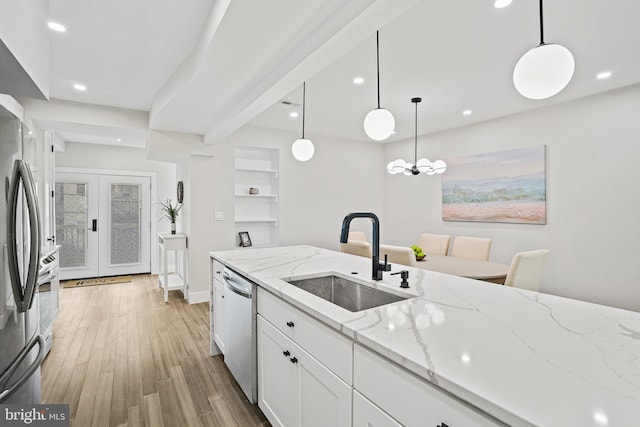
point(409, 399)
point(366, 414)
point(328, 346)
point(216, 270)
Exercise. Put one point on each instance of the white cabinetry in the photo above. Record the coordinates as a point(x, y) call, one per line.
point(218, 315)
point(294, 389)
point(304, 367)
point(258, 214)
point(408, 399)
point(217, 309)
point(332, 349)
point(366, 414)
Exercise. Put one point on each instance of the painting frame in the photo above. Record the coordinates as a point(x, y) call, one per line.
point(507, 186)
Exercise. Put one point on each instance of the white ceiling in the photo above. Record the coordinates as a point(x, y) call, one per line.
point(201, 67)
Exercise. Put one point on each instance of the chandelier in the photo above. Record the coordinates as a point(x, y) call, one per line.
point(419, 166)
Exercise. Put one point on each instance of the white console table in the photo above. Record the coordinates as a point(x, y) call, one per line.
point(178, 280)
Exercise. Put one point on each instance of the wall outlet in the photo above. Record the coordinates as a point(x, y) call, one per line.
point(219, 216)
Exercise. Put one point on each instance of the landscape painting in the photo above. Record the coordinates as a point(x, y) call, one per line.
point(504, 186)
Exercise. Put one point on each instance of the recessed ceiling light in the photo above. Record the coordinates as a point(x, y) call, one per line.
point(604, 75)
point(499, 4)
point(54, 26)
point(119, 139)
point(293, 114)
point(358, 80)
point(79, 87)
point(467, 112)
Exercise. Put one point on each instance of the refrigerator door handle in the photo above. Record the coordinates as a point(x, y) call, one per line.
point(24, 299)
point(8, 390)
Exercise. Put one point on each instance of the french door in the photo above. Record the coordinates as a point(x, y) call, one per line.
point(103, 224)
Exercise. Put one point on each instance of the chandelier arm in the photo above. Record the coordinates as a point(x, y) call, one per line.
point(415, 157)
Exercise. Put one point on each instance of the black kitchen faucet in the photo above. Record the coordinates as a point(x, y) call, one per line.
point(377, 267)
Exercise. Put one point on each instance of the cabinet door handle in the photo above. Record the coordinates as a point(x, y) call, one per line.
point(294, 360)
point(286, 353)
point(290, 324)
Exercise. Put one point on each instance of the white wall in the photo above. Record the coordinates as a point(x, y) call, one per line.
point(342, 177)
point(24, 32)
point(593, 200)
point(106, 157)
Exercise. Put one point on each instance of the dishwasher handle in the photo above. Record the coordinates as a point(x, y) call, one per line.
point(238, 284)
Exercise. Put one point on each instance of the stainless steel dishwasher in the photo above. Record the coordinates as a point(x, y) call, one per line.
point(239, 323)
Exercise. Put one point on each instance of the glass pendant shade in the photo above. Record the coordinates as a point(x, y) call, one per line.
point(543, 71)
point(397, 166)
point(302, 149)
point(379, 124)
point(424, 165)
point(439, 166)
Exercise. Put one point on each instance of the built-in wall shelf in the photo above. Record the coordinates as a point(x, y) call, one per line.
point(257, 196)
point(238, 220)
point(258, 170)
point(257, 214)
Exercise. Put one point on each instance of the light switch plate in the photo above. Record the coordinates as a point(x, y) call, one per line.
point(219, 216)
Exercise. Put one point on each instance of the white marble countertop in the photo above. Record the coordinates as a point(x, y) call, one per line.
point(526, 358)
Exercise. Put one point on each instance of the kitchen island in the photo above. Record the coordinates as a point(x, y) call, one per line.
point(517, 357)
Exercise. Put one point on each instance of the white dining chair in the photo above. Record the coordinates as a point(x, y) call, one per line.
point(398, 254)
point(471, 248)
point(357, 235)
point(436, 244)
point(526, 270)
point(356, 247)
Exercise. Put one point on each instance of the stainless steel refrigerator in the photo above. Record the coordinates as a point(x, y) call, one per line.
point(21, 345)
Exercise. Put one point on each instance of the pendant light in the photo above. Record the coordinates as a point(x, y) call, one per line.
point(544, 70)
point(423, 165)
point(302, 149)
point(379, 123)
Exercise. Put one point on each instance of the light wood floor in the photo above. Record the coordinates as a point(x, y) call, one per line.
point(122, 357)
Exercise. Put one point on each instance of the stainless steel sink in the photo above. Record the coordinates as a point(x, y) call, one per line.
point(345, 293)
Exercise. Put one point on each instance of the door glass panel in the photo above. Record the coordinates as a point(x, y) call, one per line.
point(71, 223)
point(125, 223)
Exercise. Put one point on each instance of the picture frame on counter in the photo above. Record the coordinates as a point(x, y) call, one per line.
point(245, 239)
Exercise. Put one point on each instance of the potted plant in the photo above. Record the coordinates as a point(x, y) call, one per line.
point(170, 213)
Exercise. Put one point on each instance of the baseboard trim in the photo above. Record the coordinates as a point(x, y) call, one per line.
point(198, 297)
